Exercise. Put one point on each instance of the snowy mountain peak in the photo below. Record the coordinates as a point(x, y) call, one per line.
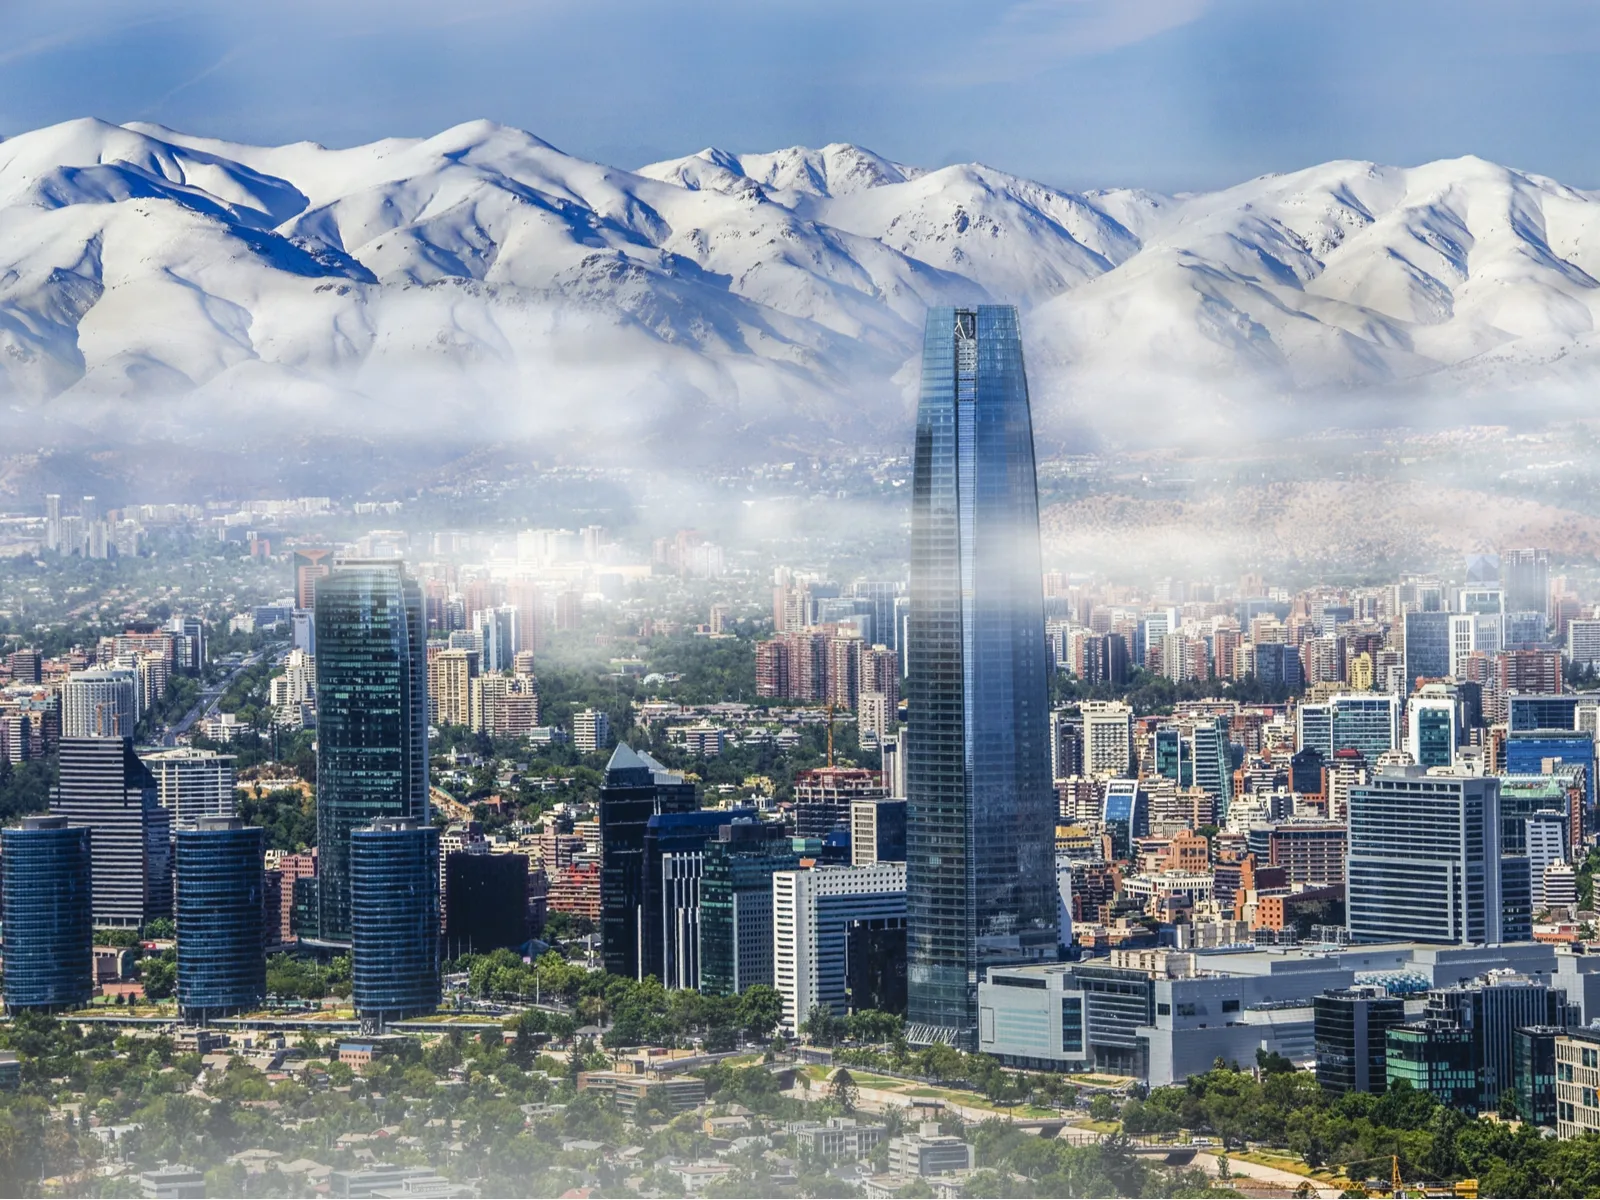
point(482, 277)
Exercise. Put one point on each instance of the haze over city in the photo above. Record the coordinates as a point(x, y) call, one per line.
point(797, 600)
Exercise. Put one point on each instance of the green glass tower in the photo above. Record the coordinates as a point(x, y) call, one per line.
point(372, 717)
point(980, 871)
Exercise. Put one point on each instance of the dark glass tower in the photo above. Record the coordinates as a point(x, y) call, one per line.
point(394, 920)
point(49, 918)
point(105, 786)
point(736, 904)
point(372, 717)
point(222, 966)
point(635, 788)
point(980, 812)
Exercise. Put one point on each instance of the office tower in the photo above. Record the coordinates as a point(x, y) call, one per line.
point(1526, 576)
point(980, 860)
point(372, 717)
point(1107, 738)
point(893, 752)
point(1370, 724)
point(309, 563)
point(222, 967)
point(1427, 647)
point(880, 598)
point(1533, 1069)
point(875, 965)
point(823, 795)
point(1314, 728)
point(812, 914)
point(1545, 844)
point(1279, 666)
point(192, 784)
point(1462, 1049)
point(394, 919)
point(635, 788)
point(1351, 1028)
point(292, 871)
point(1125, 815)
point(497, 637)
point(53, 535)
point(49, 916)
point(669, 920)
point(27, 666)
point(736, 904)
point(1540, 751)
point(591, 730)
point(103, 785)
point(877, 832)
point(485, 902)
point(1433, 726)
point(102, 702)
point(1544, 711)
point(1424, 861)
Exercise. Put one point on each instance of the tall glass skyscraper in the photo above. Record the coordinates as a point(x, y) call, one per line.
point(394, 887)
point(222, 966)
point(49, 918)
point(372, 717)
point(980, 871)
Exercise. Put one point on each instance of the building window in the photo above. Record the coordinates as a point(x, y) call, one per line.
point(1230, 1006)
point(1163, 1010)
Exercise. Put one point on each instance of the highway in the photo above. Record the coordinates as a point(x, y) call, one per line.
point(206, 705)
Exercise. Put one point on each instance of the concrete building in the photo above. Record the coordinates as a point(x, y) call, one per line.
point(192, 783)
point(1107, 738)
point(1164, 1015)
point(1424, 858)
point(591, 730)
point(811, 913)
point(928, 1152)
point(100, 703)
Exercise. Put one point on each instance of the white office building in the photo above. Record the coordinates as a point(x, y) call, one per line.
point(100, 703)
point(193, 784)
point(811, 914)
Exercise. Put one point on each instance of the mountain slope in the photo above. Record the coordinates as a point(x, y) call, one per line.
point(482, 282)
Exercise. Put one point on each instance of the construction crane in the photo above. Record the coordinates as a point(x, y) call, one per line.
point(1461, 1189)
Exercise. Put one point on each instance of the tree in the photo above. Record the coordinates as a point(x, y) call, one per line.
point(1509, 1109)
point(760, 1010)
point(843, 1091)
point(821, 1027)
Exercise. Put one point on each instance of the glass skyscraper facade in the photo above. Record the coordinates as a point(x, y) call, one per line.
point(49, 916)
point(222, 966)
point(372, 717)
point(103, 785)
point(394, 920)
point(980, 812)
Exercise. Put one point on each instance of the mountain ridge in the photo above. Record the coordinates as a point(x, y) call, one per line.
point(483, 275)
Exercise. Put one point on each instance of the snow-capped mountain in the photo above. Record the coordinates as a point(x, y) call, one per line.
point(483, 282)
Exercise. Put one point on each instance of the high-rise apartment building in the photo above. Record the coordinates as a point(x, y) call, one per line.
point(372, 717)
point(1424, 859)
point(1107, 738)
point(981, 811)
point(104, 786)
point(877, 831)
point(450, 676)
point(591, 730)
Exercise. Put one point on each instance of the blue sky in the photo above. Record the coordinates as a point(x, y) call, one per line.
point(1169, 94)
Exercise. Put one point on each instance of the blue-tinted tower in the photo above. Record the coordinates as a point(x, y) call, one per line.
point(49, 915)
point(980, 811)
point(222, 966)
point(372, 717)
point(394, 920)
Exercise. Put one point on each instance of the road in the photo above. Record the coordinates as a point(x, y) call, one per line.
point(207, 703)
